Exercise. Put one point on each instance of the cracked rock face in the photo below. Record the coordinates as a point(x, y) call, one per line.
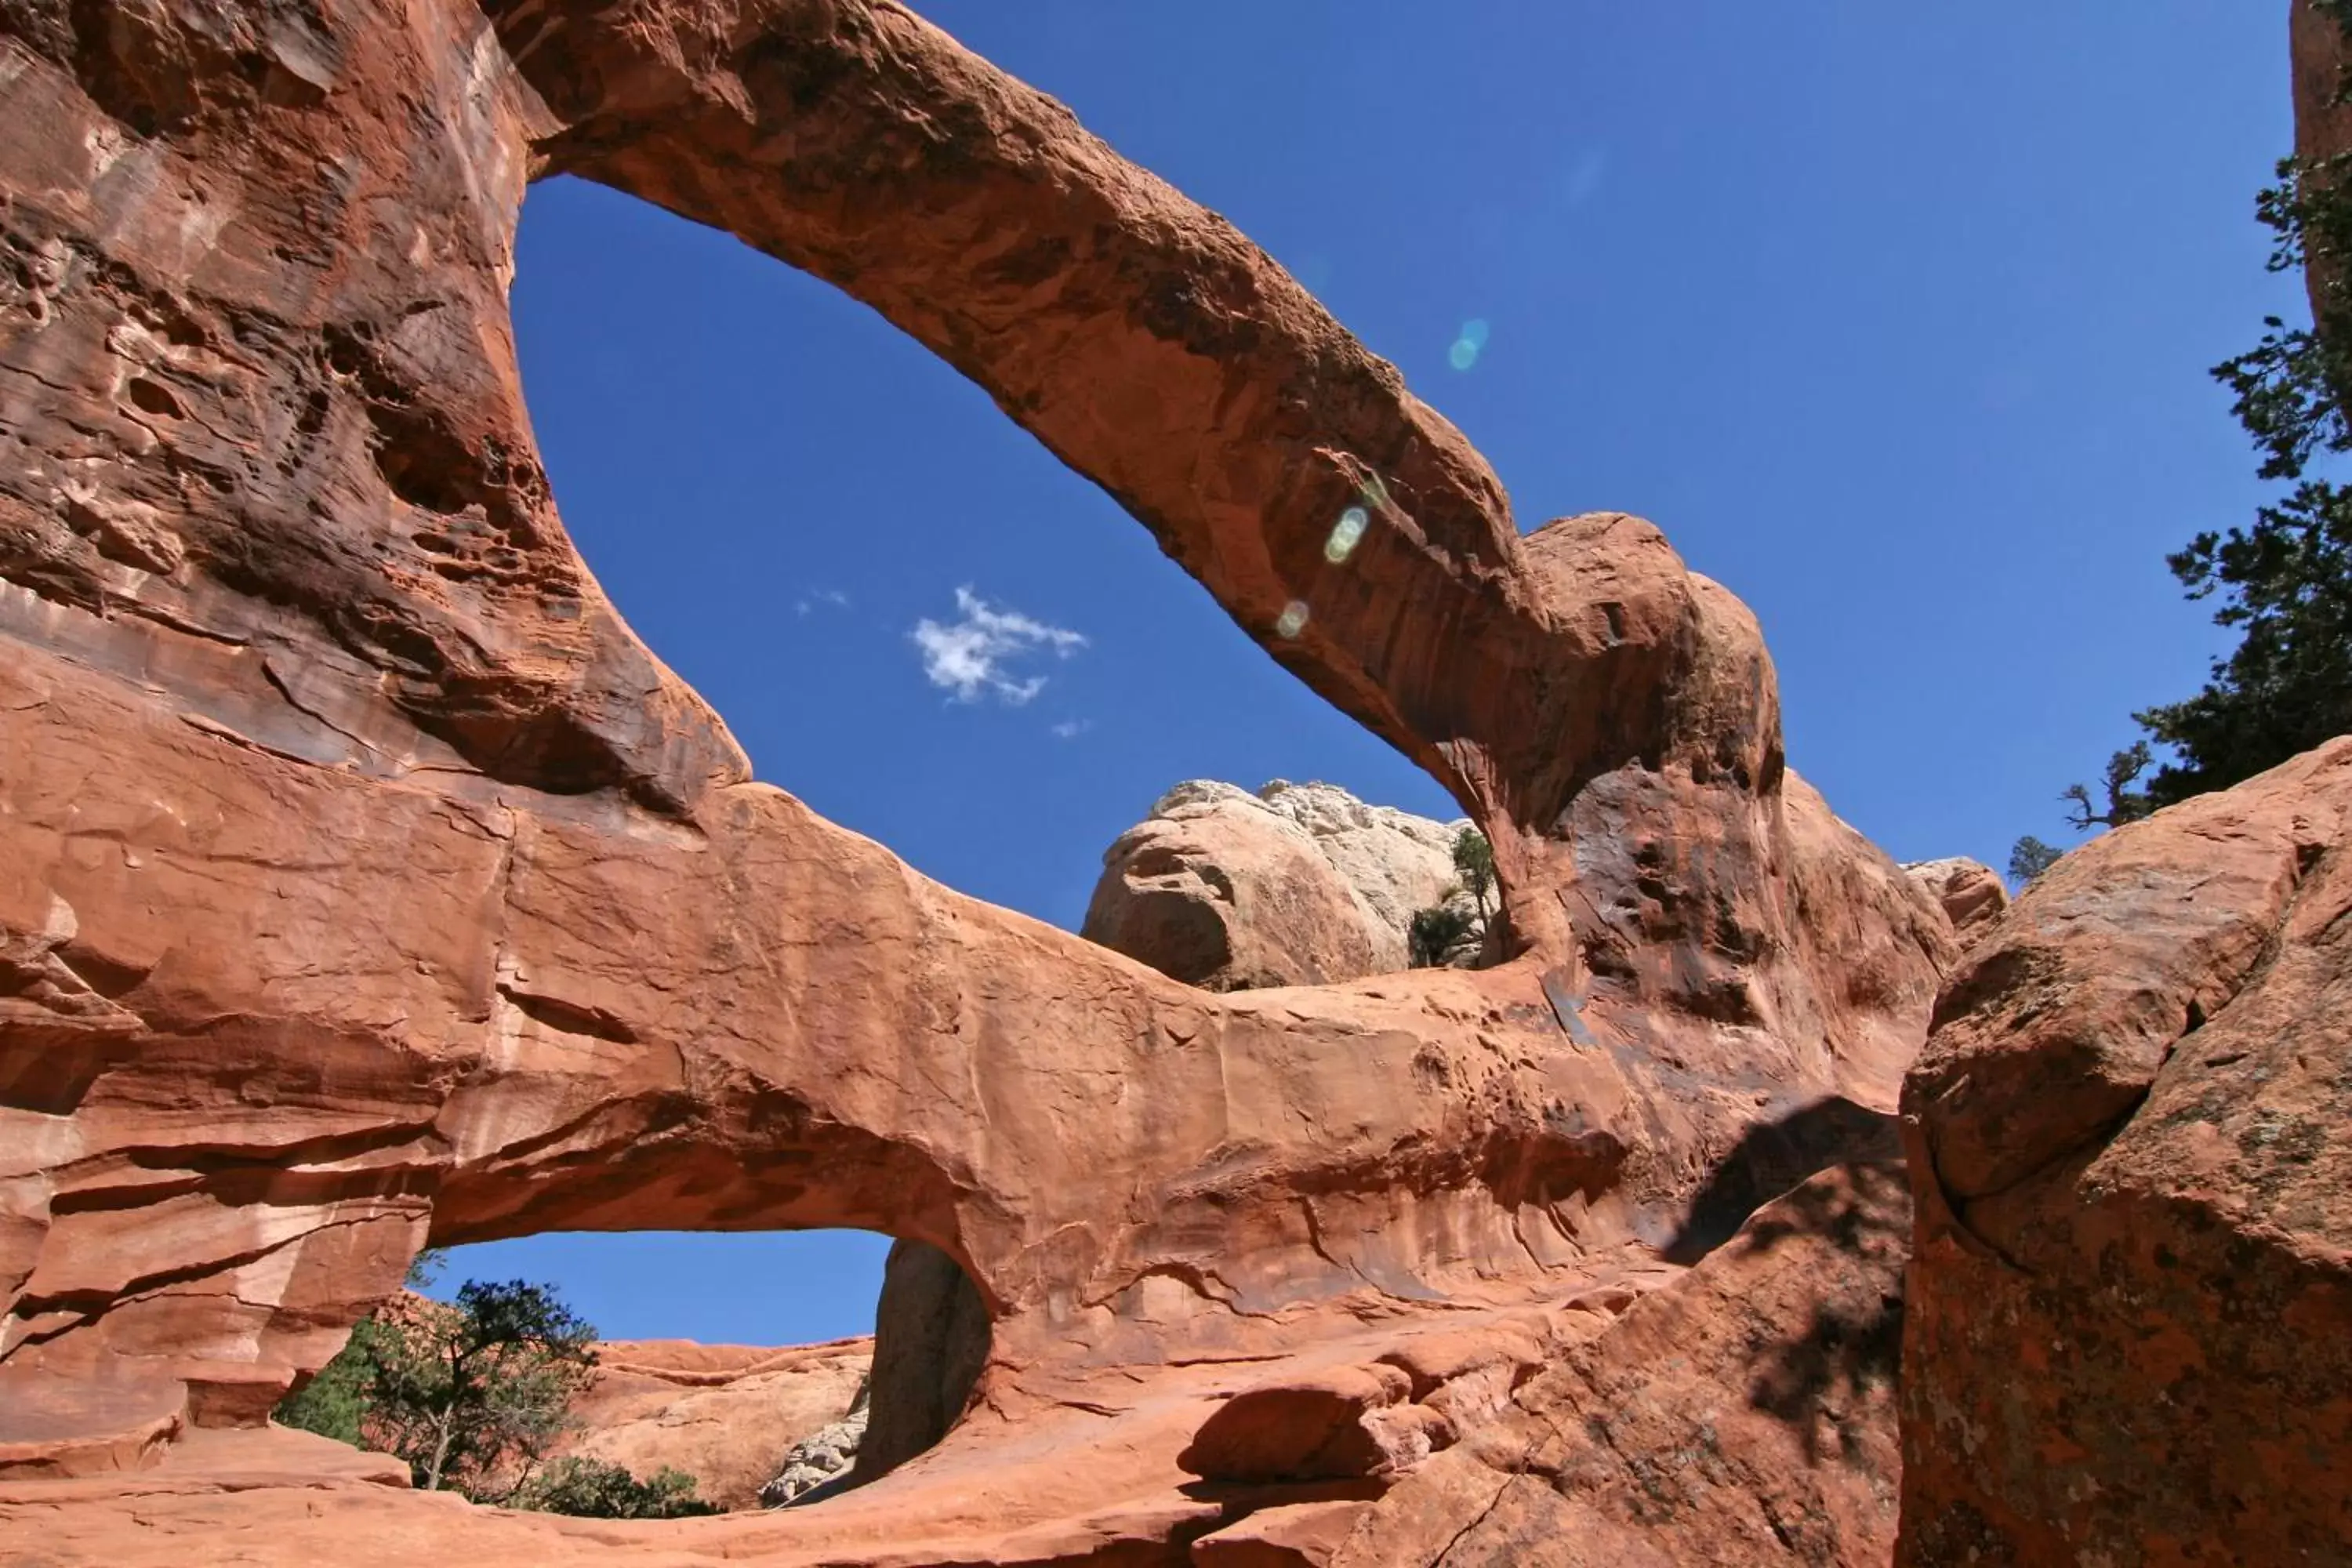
point(365, 882)
point(825, 1455)
point(1745, 1415)
point(1296, 884)
point(2130, 1334)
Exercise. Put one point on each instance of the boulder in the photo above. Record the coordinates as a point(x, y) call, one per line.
point(1326, 1426)
point(1393, 861)
point(1970, 893)
point(1296, 884)
point(2130, 1325)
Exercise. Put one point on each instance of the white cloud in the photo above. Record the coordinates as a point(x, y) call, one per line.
point(973, 656)
point(815, 597)
point(1071, 729)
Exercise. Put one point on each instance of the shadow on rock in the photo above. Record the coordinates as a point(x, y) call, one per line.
point(1850, 1350)
point(1771, 1158)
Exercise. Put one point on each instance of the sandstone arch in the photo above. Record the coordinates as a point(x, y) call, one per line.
point(364, 878)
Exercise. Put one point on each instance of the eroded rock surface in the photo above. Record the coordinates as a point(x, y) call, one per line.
point(2323, 118)
point(2130, 1329)
point(727, 1415)
point(1745, 1413)
point(1296, 884)
point(363, 882)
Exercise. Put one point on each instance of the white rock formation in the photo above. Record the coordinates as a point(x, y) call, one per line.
point(1297, 884)
point(823, 1455)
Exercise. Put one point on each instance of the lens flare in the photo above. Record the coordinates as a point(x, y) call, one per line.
point(1293, 620)
point(1345, 534)
point(1468, 343)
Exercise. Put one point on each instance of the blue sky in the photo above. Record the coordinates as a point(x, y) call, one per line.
point(1896, 317)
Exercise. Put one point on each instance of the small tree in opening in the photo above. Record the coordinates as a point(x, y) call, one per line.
point(1474, 860)
point(473, 1393)
point(2125, 803)
point(1434, 931)
point(2029, 856)
point(1439, 930)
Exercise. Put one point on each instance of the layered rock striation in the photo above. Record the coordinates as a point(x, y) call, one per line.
point(1744, 1414)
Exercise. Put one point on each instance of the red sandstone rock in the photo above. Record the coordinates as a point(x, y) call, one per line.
point(930, 1345)
point(1320, 1427)
point(2130, 1330)
point(1744, 1413)
point(1293, 1535)
point(1222, 894)
point(365, 882)
point(56, 1429)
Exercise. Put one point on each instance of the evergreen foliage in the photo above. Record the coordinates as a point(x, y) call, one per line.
point(336, 1398)
point(2284, 582)
point(2029, 857)
point(595, 1489)
point(473, 1393)
point(1474, 860)
point(1433, 933)
point(1439, 929)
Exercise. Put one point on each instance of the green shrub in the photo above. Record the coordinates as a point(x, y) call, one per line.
point(473, 1393)
point(335, 1400)
point(1474, 858)
point(593, 1488)
point(1434, 932)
